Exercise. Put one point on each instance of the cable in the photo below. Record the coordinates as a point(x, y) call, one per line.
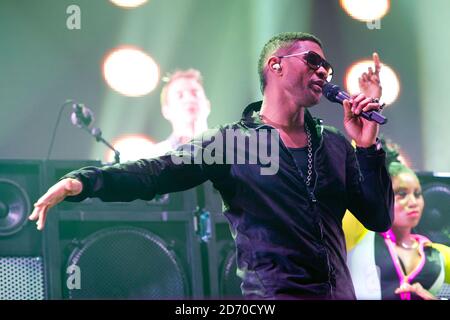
point(56, 126)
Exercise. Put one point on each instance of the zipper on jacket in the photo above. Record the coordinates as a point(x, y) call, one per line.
point(330, 273)
point(320, 219)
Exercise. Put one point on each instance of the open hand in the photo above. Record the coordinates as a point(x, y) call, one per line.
point(54, 195)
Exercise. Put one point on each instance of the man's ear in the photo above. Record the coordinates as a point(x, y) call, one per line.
point(274, 64)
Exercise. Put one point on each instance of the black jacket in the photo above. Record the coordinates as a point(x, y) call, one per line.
point(289, 238)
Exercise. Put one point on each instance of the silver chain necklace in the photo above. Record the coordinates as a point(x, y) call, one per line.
point(310, 153)
point(310, 156)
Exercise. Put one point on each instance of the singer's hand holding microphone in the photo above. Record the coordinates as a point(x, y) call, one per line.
point(362, 112)
point(361, 116)
point(364, 132)
point(333, 93)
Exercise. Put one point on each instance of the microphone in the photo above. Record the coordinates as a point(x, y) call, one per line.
point(82, 116)
point(333, 93)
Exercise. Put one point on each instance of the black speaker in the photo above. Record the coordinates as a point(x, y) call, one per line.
point(134, 250)
point(228, 281)
point(435, 221)
point(224, 283)
point(129, 255)
point(22, 268)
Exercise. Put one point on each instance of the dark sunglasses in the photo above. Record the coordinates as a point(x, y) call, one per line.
point(314, 61)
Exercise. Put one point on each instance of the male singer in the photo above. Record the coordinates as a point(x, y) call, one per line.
point(286, 223)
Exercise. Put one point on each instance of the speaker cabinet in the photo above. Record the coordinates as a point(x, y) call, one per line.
point(224, 283)
point(227, 280)
point(129, 255)
point(22, 274)
point(135, 250)
point(111, 250)
point(435, 221)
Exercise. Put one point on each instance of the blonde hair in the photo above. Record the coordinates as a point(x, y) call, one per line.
point(179, 74)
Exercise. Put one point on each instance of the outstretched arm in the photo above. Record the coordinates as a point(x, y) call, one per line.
point(143, 179)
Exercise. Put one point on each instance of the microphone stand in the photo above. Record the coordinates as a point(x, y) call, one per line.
point(83, 118)
point(97, 134)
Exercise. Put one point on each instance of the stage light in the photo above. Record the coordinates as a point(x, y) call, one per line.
point(366, 10)
point(128, 3)
point(388, 78)
point(131, 147)
point(130, 71)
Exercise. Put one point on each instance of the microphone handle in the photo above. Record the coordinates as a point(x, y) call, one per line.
point(370, 115)
point(374, 116)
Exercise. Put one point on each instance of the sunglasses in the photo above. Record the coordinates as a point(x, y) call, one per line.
point(314, 61)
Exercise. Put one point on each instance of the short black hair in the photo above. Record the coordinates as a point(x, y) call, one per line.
point(281, 40)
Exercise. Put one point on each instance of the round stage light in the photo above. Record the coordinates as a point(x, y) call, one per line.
point(132, 147)
point(128, 3)
point(130, 71)
point(366, 10)
point(388, 78)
